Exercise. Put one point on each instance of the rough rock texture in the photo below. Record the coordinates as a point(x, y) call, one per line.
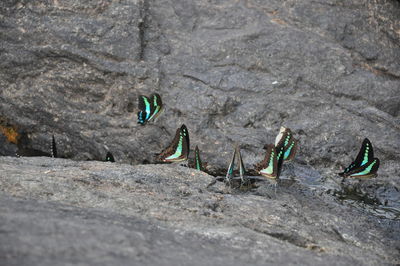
point(232, 71)
point(163, 214)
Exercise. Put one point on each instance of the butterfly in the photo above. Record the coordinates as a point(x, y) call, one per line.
point(178, 150)
point(53, 147)
point(271, 165)
point(285, 138)
point(197, 161)
point(231, 167)
point(365, 164)
point(110, 157)
point(150, 107)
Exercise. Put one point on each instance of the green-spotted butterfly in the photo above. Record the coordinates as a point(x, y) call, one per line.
point(178, 150)
point(231, 167)
point(365, 164)
point(110, 157)
point(271, 165)
point(149, 107)
point(197, 160)
point(290, 144)
point(53, 147)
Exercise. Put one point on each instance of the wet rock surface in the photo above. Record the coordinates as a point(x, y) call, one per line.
point(56, 211)
point(232, 72)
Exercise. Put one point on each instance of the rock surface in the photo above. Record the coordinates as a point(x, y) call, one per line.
point(233, 72)
point(163, 214)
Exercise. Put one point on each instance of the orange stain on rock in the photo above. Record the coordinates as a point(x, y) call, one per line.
point(10, 133)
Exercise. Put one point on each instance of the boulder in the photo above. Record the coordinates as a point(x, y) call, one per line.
point(58, 212)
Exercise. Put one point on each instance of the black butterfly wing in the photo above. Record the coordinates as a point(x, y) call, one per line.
point(179, 149)
point(231, 167)
point(291, 149)
point(110, 157)
point(197, 160)
point(283, 138)
point(280, 154)
point(268, 166)
point(367, 170)
point(185, 142)
point(53, 147)
point(171, 147)
point(156, 105)
point(145, 107)
point(365, 155)
point(242, 169)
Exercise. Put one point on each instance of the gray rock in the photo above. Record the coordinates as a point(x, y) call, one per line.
point(233, 72)
point(57, 212)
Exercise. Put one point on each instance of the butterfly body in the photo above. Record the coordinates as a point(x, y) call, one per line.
point(365, 165)
point(178, 150)
point(149, 107)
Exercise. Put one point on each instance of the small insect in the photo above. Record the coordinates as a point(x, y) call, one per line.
point(149, 108)
point(231, 167)
point(110, 157)
point(285, 138)
point(197, 164)
point(271, 165)
point(53, 152)
point(179, 149)
point(365, 165)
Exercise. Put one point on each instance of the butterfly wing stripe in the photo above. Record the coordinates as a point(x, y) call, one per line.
point(171, 147)
point(231, 166)
point(144, 109)
point(370, 168)
point(279, 159)
point(179, 149)
point(141, 117)
point(198, 164)
point(290, 152)
point(268, 166)
point(156, 104)
point(148, 107)
point(365, 154)
point(185, 141)
point(242, 170)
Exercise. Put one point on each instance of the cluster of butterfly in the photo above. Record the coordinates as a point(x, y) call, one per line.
point(284, 149)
